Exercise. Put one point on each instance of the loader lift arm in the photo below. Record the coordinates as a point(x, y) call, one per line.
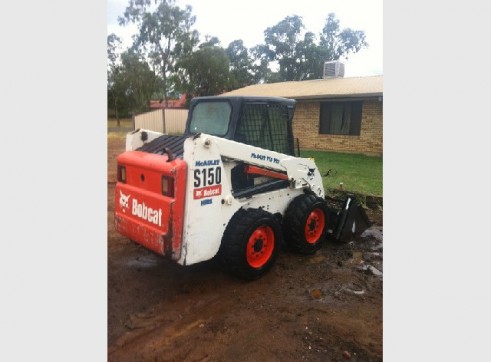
point(301, 173)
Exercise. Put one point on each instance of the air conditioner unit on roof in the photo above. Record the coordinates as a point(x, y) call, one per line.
point(333, 69)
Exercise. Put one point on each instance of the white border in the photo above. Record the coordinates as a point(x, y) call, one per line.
point(53, 266)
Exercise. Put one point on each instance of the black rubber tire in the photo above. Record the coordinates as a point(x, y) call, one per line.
point(295, 221)
point(234, 246)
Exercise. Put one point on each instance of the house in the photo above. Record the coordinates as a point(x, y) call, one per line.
point(332, 114)
point(171, 103)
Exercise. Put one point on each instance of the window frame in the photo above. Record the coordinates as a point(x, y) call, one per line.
point(325, 112)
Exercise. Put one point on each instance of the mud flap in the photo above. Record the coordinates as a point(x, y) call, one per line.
point(351, 220)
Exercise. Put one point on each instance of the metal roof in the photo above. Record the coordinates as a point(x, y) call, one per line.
point(318, 88)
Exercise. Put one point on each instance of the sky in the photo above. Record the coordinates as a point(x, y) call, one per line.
point(247, 20)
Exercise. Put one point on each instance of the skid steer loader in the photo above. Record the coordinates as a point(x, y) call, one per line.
point(230, 185)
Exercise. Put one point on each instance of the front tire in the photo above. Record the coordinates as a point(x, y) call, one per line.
point(250, 243)
point(305, 223)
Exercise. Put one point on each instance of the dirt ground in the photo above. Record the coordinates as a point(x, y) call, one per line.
point(322, 307)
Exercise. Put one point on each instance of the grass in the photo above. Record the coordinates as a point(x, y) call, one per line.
point(124, 123)
point(113, 131)
point(359, 173)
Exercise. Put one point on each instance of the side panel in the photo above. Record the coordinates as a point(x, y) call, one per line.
point(209, 202)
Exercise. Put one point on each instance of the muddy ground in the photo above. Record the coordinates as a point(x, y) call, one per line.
point(322, 307)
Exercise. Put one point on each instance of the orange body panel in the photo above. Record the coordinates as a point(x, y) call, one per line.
point(142, 212)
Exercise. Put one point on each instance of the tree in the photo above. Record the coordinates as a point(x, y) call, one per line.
point(281, 45)
point(262, 71)
point(311, 58)
point(164, 34)
point(134, 82)
point(204, 72)
point(114, 95)
point(242, 70)
point(339, 43)
point(300, 57)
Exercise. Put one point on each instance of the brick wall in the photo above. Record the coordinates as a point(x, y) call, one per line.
point(306, 128)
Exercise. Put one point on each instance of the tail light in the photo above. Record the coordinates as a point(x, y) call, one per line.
point(167, 186)
point(121, 174)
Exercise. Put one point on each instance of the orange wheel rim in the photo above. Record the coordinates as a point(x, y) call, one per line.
point(314, 226)
point(260, 246)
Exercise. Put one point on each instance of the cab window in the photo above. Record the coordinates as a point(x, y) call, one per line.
point(211, 118)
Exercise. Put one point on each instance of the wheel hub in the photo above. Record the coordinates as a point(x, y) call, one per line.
point(258, 245)
point(312, 224)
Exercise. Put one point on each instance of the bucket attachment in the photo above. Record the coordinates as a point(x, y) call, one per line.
point(348, 221)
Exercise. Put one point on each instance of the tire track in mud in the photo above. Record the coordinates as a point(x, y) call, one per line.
point(151, 334)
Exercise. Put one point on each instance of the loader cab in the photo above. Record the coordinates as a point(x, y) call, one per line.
point(264, 122)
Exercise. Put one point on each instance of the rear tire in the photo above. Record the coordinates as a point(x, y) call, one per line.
point(305, 223)
point(250, 243)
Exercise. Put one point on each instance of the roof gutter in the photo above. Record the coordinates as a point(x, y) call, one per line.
point(360, 96)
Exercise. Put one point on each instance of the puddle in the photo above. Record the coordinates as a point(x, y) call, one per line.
point(149, 261)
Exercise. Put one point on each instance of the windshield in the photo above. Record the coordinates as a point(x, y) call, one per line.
point(211, 117)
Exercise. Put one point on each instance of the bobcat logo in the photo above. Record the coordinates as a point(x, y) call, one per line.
point(123, 200)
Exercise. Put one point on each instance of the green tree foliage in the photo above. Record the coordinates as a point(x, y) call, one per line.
point(312, 58)
point(115, 95)
point(204, 72)
point(242, 69)
point(301, 57)
point(339, 43)
point(164, 34)
point(281, 43)
point(261, 65)
point(133, 83)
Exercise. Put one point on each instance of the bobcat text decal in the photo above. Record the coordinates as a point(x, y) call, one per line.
point(140, 209)
point(209, 191)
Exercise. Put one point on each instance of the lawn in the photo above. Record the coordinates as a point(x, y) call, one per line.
point(358, 173)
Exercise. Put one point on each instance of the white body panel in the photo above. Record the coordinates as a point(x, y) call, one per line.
point(209, 203)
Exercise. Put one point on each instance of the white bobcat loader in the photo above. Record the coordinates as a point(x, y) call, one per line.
point(230, 185)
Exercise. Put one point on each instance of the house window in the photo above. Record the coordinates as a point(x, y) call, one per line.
point(341, 118)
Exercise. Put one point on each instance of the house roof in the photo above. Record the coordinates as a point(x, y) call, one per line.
point(318, 88)
point(171, 103)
